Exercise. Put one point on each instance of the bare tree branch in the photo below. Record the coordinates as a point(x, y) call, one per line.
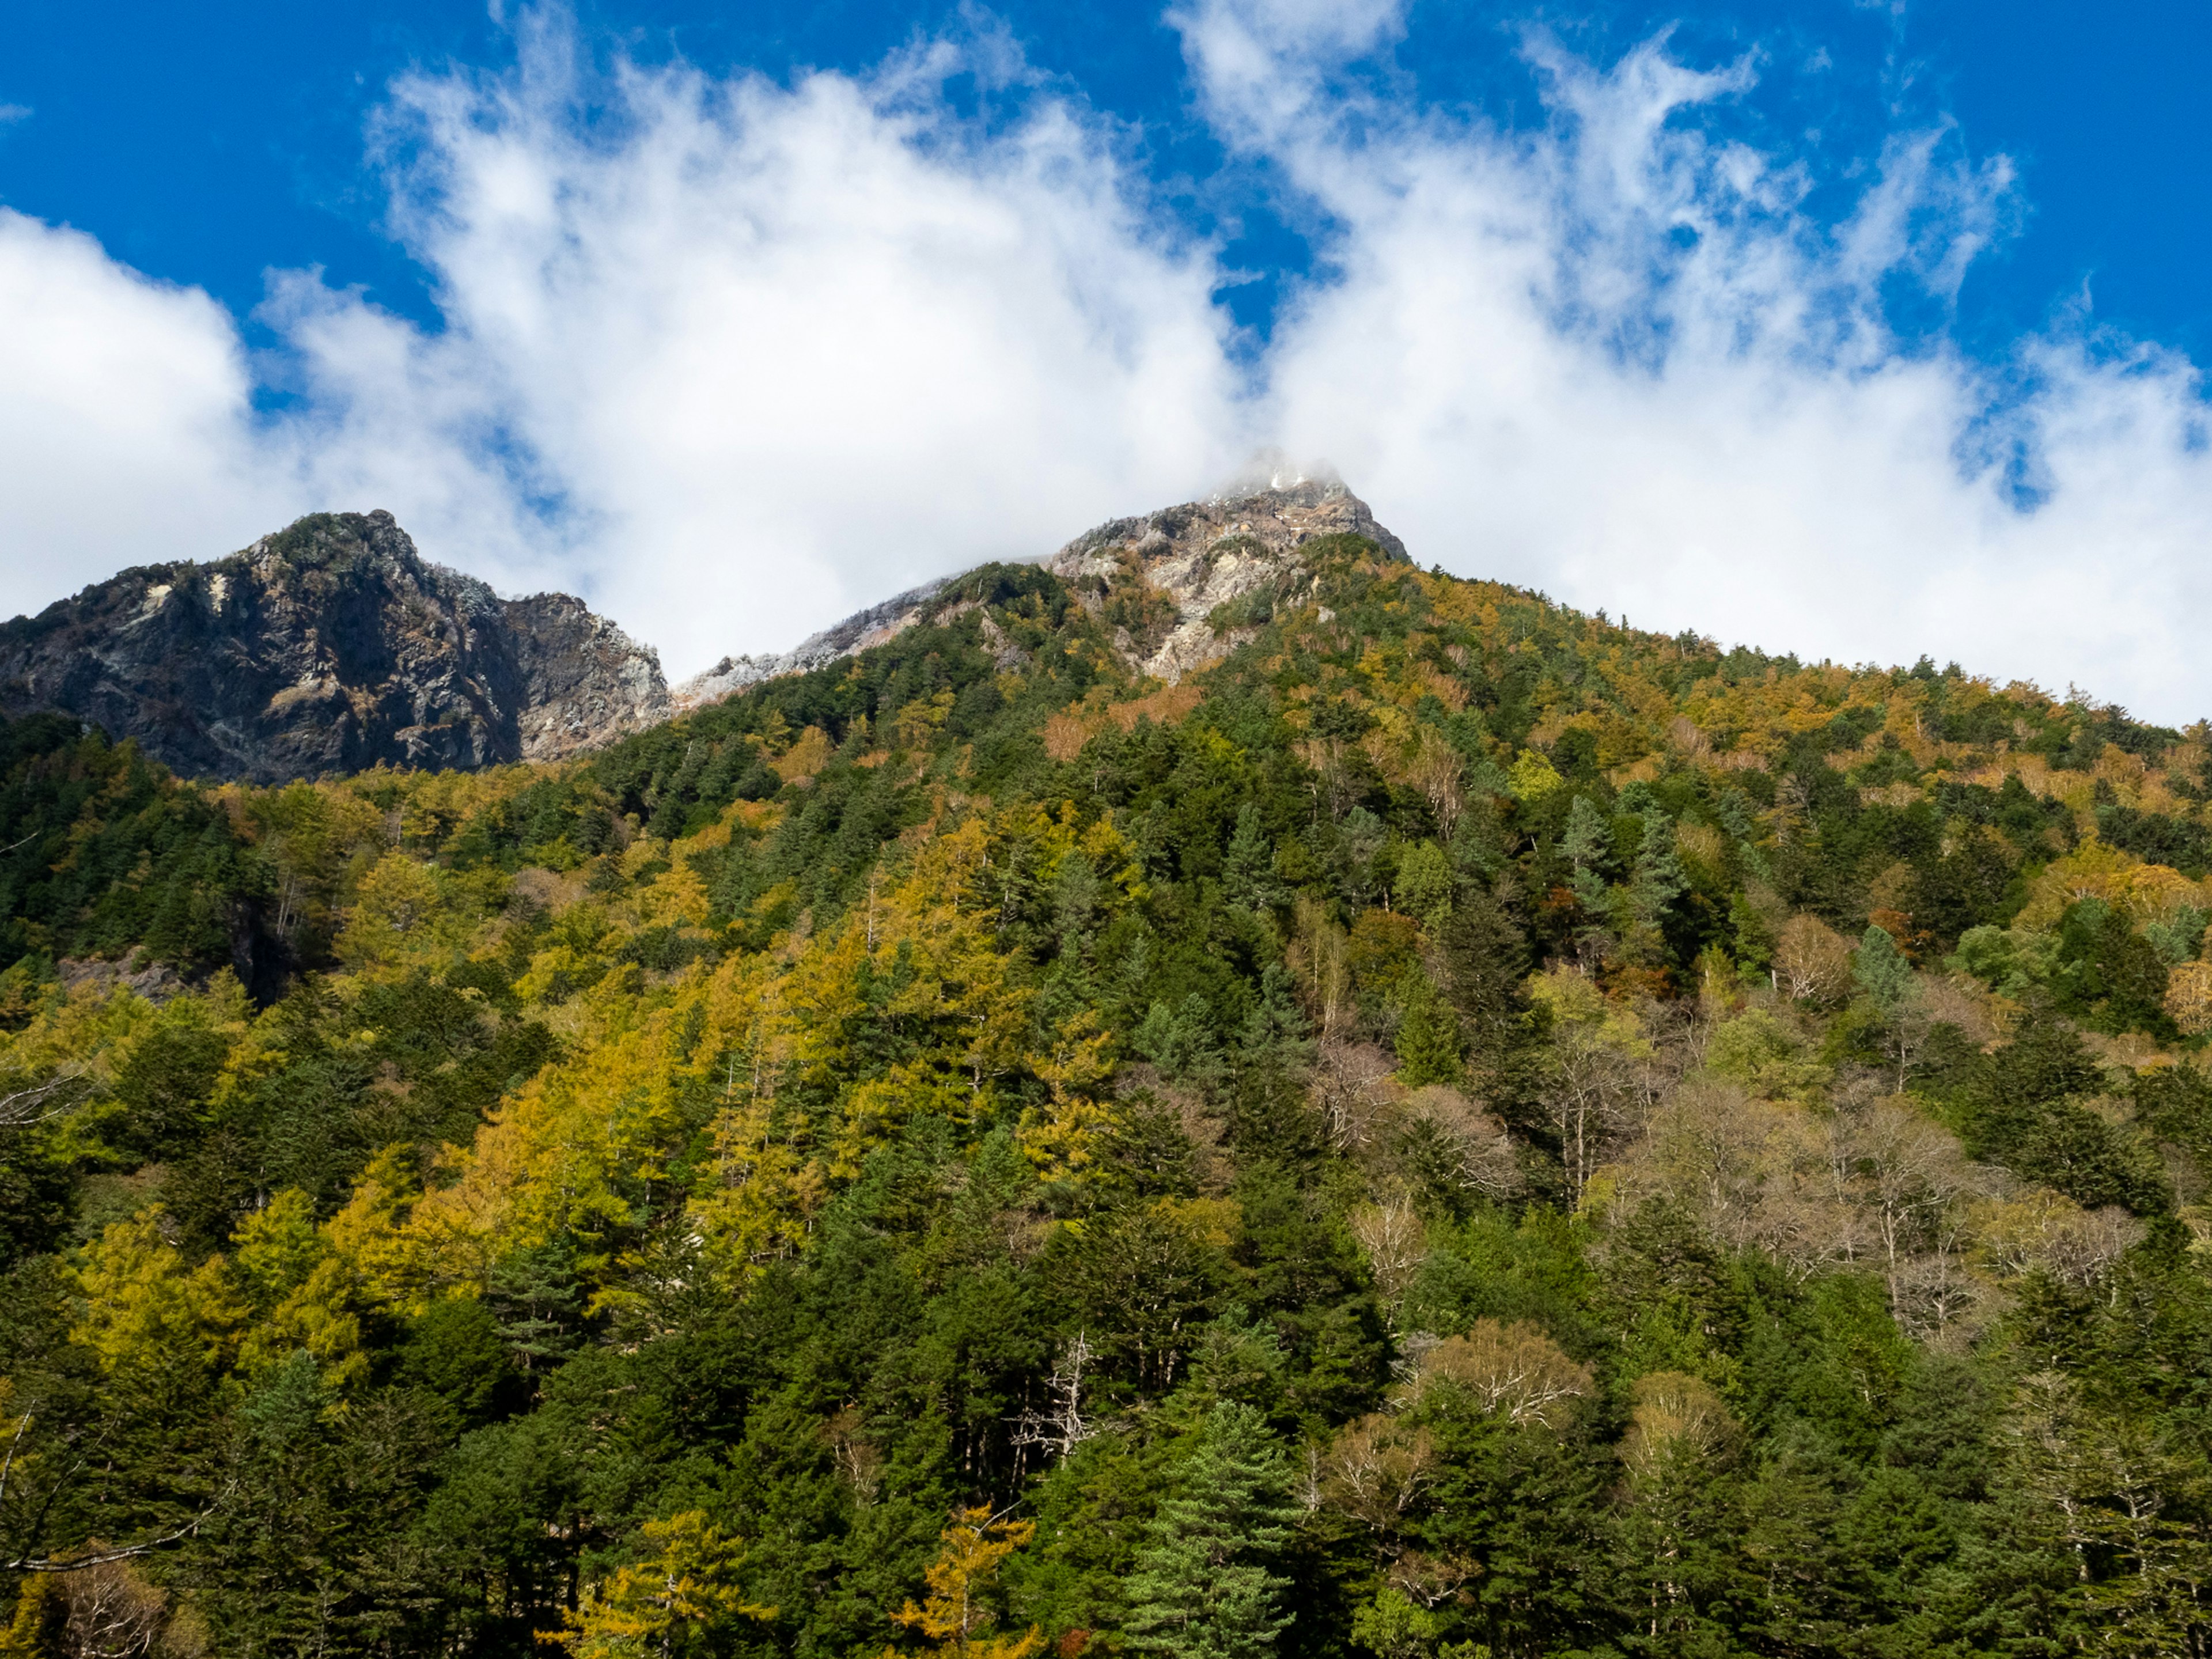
point(42, 1103)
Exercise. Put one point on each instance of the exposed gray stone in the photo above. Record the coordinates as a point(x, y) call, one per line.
point(327, 648)
point(1198, 555)
point(1203, 555)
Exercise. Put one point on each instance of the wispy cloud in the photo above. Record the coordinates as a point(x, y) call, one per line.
point(770, 349)
point(12, 113)
point(734, 355)
point(1619, 361)
point(125, 418)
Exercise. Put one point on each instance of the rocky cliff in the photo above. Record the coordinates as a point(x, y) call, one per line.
point(1171, 584)
point(1182, 586)
point(333, 645)
point(329, 647)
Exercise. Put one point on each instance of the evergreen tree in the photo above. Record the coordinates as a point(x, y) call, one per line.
point(1588, 845)
point(1657, 881)
point(1428, 1036)
point(1204, 1587)
point(1247, 871)
point(535, 1294)
point(1425, 882)
point(1882, 971)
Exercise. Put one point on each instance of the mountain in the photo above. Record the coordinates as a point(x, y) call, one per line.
point(329, 647)
point(1188, 561)
point(1219, 1092)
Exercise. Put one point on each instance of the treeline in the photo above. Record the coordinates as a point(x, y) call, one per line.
point(1459, 1129)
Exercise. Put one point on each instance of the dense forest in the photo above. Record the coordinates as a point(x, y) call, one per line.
point(1459, 1129)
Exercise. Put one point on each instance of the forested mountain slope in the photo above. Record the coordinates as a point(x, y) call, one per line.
point(1451, 1128)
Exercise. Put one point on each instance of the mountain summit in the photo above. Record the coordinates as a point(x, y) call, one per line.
point(1209, 563)
point(1158, 580)
point(331, 646)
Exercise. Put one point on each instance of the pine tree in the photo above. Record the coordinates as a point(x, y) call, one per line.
point(1659, 879)
point(1202, 1588)
point(535, 1293)
point(1428, 1037)
point(1588, 845)
point(1882, 971)
point(1248, 873)
point(1423, 883)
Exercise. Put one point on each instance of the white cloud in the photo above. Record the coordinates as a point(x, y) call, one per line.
point(774, 351)
point(733, 357)
point(125, 409)
point(1617, 362)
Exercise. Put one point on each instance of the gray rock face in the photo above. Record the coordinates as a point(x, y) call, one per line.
point(1185, 563)
point(326, 648)
point(332, 645)
point(1180, 564)
point(584, 681)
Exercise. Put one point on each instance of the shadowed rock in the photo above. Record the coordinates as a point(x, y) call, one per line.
point(326, 648)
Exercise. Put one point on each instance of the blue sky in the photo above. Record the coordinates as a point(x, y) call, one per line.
point(1813, 325)
point(206, 144)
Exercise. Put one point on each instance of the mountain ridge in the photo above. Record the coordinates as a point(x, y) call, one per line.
point(332, 645)
point(1200, 554)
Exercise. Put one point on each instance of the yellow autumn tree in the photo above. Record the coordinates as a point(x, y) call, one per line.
point(145, 1312)
point(2189, 997)
point(402, 916)
point(681, 1599)
point(911, 1009)
point(756, 1197)
point(1079, 1065)
point(572, 1149)
point(954, 1616)
point(392, 1262)
point(2144, 892)
point(305, 1293)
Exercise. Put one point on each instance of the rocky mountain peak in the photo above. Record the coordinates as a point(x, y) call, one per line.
point(1174, 570)
point(1158, 579)
point(332, 645)
point(329, 646)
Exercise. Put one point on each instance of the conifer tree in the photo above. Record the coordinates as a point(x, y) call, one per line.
point(681, 1598)
point(956, 1615)
point(1659, 879)
point(534, 1292)
point(1204, 1587)
point(1247, 871)
point(1425, 882)
point(1587, 845)
point(1882, 971)
point(1428, 1037)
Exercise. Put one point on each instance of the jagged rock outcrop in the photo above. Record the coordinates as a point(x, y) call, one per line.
point(1158, 580)
point(333, 645)
point(584, 681)
point(329, 647)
